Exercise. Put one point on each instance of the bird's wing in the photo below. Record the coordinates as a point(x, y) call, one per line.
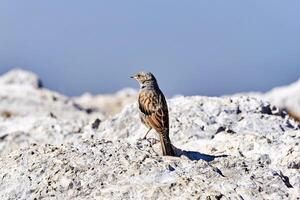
point(154, 109)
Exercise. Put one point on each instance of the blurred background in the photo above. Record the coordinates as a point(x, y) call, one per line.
point(193, 47)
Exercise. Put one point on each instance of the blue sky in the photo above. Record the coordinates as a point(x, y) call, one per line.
point(193, 47)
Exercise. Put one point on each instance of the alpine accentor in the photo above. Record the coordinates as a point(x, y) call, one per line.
point(154, 109)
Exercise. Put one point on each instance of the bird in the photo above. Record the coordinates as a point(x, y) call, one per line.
point(153, 109)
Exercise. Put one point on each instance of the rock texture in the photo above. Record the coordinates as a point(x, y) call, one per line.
point(227, 148)
point(29, 113)
point(109, 104)
point(286, 97)
point(20, 77)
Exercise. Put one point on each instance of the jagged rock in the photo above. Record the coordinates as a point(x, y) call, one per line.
point(117, 170)
point(227, 148)
point(193, 118)
point(20, 96)
point(109, 104)
point(31, 114)
point(22, 78)
point(286, 97)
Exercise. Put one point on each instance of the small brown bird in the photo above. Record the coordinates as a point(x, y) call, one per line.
point(154, 110)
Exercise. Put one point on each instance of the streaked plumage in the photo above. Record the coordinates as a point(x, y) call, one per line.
point(154, 109)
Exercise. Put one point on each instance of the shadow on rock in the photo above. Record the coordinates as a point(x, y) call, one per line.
point(194, 155)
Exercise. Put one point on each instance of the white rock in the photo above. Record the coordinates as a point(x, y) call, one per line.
point(228, 148)
point(286, 97)
point(22, 78)
point(110, 104)
point(29, 114)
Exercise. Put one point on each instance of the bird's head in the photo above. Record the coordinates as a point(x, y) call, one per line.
point(144, 78)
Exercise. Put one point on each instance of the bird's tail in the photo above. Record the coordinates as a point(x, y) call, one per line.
point(166, 145)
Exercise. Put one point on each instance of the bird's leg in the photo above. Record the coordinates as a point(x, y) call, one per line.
point(147, 133)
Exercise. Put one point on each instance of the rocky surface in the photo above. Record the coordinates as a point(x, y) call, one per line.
point(109, 104)
point(228, 148)
point(30, 113)
point(286, 97)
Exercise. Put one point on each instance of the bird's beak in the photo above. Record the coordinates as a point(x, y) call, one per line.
point(132, 76)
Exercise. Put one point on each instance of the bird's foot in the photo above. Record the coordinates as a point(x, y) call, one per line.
point(152, 141)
